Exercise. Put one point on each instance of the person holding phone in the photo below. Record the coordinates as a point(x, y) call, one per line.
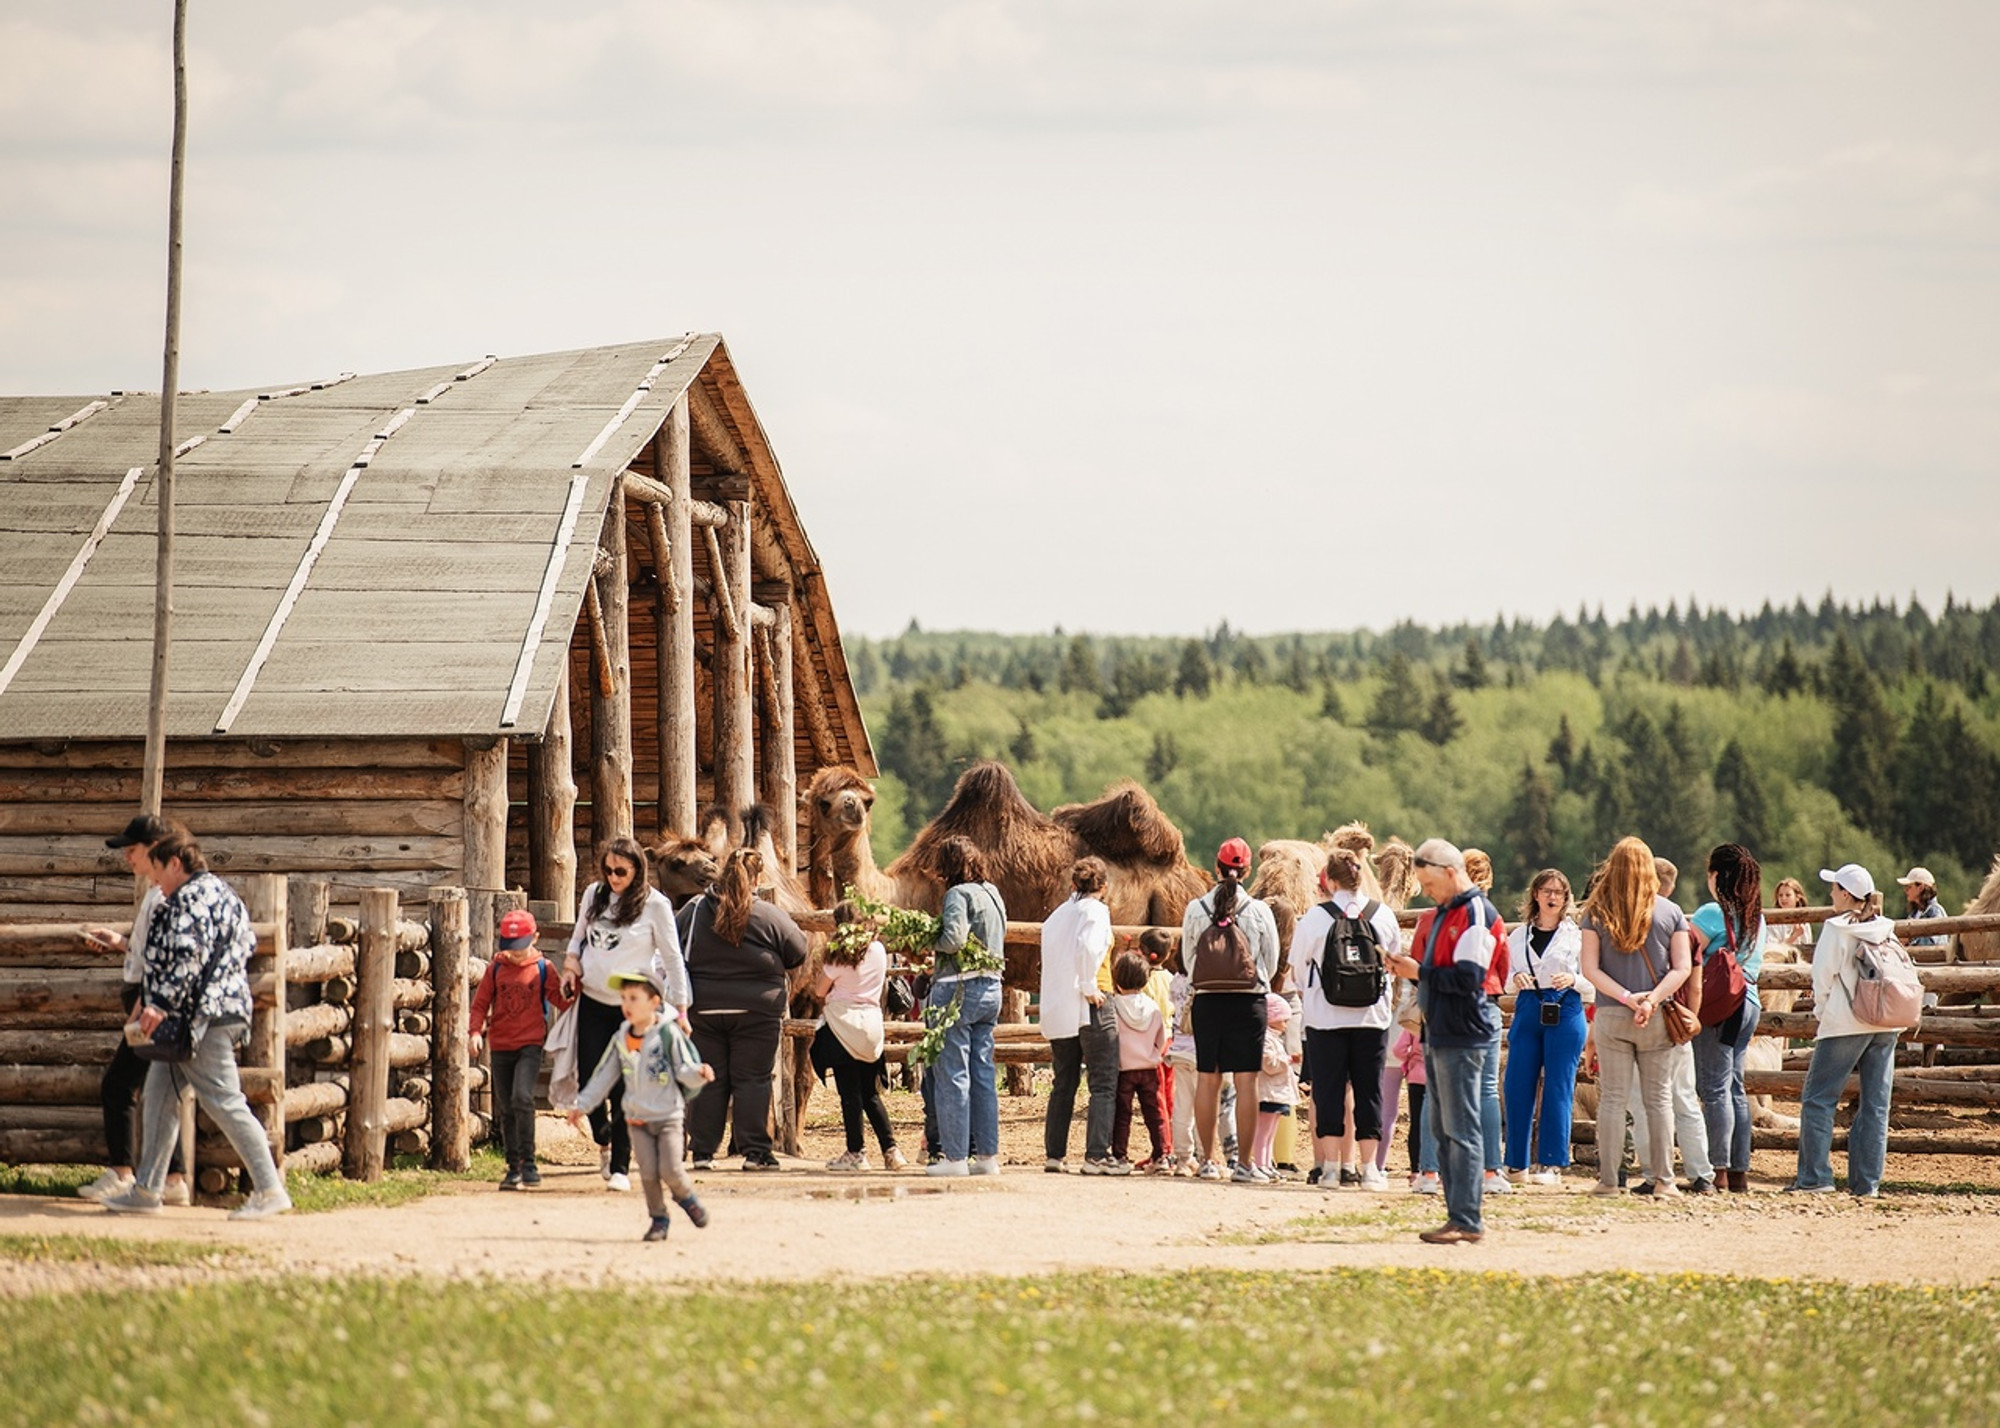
point(126, 1075)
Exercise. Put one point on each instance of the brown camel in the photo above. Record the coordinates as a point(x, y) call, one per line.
point(1983, 946)
point(838, 855)
point(1288, 873)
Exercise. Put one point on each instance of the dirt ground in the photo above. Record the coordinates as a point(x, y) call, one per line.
point(807, 1223)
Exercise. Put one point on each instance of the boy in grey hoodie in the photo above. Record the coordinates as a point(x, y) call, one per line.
point(660, 1071)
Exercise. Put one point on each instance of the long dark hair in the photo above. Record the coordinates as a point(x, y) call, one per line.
point(1739, 887)
point(1228, 888)
point(735, 891)
point(960, 861)
point(633, 901)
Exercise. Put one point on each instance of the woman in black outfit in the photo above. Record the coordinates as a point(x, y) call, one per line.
point(740, 953)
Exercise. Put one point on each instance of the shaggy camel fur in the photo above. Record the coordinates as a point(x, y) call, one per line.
point(1983, 946)
point(839, 803)
point(1289, 869)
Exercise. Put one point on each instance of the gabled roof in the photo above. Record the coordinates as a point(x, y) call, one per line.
point(360, 556)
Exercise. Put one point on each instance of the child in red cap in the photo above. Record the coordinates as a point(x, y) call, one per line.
point(511, 1010)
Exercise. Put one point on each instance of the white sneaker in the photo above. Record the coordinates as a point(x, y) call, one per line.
point(176, 1193)
point(1546, 1176)
point(851, 1160)
point(1246, 1174)
point(135, 1199)
point(109, 1183)
point(261, 1205)
point(1373, 1178)
point(1496, 1184)
point(604, 1162)
point(948, 1169)
point(1428, 1183)
point(619, 1184)
point(1209, 1171)
point(984, 1165)
point(1055, 1167)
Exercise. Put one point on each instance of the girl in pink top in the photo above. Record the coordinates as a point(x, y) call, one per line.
point(849, 1044)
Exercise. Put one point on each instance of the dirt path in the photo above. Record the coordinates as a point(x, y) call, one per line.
point(809, 1224)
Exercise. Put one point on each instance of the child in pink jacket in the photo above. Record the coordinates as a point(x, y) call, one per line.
point(1405, 1066)
point(1142, 1045)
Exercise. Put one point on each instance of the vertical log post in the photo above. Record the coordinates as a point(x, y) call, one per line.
point(306, 901)
point(552, 809)
point(366, 1144)
point(778, 758)
point(451, 1110)
point(1014, 1008)
point(675, 651)
point(735, 735)
point(265, 896)
point(611, 712)
point(485, 825)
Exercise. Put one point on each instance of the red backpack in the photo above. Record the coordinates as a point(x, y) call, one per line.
point(1723, 985)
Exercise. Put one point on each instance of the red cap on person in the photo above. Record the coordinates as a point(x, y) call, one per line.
point(517, 930)
point(1234, 854)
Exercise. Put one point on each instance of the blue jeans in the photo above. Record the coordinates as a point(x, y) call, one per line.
point(1834, 1059)
point(1718, 1081)
point(967, 1098)
point(1542, 1060)
point(1489, 1106)
point(1453, 1076)
point(219, 1091)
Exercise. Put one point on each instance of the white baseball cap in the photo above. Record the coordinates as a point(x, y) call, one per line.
point(1918, 877)
point(1850, 878)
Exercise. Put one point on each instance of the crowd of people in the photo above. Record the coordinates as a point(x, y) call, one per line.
point(664, 1027)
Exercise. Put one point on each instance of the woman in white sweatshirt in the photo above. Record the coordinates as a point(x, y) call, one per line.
point(1843, 1044)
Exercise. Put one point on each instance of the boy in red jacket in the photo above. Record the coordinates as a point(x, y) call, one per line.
point(510, 1011)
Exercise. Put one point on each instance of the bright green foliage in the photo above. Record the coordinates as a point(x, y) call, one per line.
point(1413, 1347)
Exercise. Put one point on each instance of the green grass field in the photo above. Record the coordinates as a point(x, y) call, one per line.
point(1373, 1347)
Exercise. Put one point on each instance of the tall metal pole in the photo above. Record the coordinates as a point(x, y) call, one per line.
point(170, 381)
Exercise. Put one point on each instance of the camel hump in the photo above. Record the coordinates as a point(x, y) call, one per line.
point(1124, 826)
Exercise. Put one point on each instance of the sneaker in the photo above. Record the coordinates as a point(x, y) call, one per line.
point(1517, 1177)
point(1666, 1190)
point(1055, 1167)
point(1867, 1194)
point(176, 1193)
point(761, 1162)
point(947, 1169)
point(135, 1199)
point(1189, 1167)
point(1809, 1190)
point(1429, 1183)
point(109, 1183)
point(657, 1230)
point(512, 1179)
point(706, 1162)
point(1314, 1175)
point(988, 1165)
point(1705, 1186)
point(1497, 1184)
point(1350, 1176)
point(696, 1211)
point(1645, 1187)
point(1160, 1167)
point(531, 1176)
point(1451, 1235)
point(1546, 1176)
point(852, 1160)
point(1372, 1178)
point(1246, 1174)
point(604, 1162)
point(1209, 1171)
point(618, 1182)
point(1106, 1166)
point(261, 1205)
point(894, 1159)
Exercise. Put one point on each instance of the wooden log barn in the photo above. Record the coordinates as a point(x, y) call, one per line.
point(448, 627)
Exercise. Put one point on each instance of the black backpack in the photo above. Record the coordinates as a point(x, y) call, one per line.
point(1351, 973)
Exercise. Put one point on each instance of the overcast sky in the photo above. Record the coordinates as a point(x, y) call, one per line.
point(1121, 316)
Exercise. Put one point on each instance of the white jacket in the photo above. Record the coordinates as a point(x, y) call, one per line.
point(1074, 940)
point(1833, 974)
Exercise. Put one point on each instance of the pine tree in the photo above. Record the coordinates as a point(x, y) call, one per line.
point(1331, 705)
point(1441, 722)
point(1196, 676)
point(1736, 781)
point(1253, 666)
point(1682, 670)
point(1399, 705)
point(913, 749)
point(1164, 759)
point(1785, 676)
point(1562, 748)
point(1529, 828)
point(1864, 740)
point(1081, 672)
point(1473, 674)
point(1023, 747)
point(1297, 676)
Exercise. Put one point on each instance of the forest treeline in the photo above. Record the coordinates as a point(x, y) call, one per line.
point(1814, 735)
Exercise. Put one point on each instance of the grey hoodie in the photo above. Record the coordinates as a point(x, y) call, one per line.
point(652, 1093)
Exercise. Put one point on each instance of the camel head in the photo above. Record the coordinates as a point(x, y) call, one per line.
point(840, 801)
point(682, 867)
point(1396, 869)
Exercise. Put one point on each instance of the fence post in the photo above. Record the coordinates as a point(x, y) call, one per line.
point(268, 904)
point(366, 1144)
point(451, 1110)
